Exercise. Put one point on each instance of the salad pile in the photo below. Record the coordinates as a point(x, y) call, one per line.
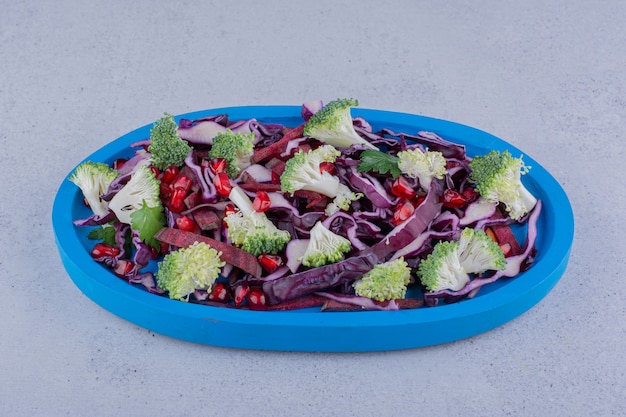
point(329, 213)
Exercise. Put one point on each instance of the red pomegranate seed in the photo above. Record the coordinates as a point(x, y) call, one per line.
point(155, 170)
point(261, 202)
point(183, 183)
point(222, 184)
point(187, 224)
point(102, 249)
point(256, 299)
point(270, 262)
point(241, 294)
point(229, 209)
point(401, 188)
point(217, 165)
point(328, 167)
point(452, 199)
point(123, 267)
point(155, 253)
point(170, 174)
point(117, 164)
point(403, 211)
point(220, 292)
point(177, 201)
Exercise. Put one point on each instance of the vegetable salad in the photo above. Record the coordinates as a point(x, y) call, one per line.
point(328, 213)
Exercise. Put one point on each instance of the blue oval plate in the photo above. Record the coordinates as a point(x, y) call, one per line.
point(310, 329)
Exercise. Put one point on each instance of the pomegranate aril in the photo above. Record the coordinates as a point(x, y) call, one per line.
point(261, 202)
point(241, 294)
point(256, 299)
point(230, 209)
point(117, 164)
point(187, 224)
point(401, 188)
point(155, 171)
point(453, 199)
point(270, 263)
point(183, 183)
point(222, 184)
point(328, 167)
point(177, 201)
point(217, 165)
point(102, 249)
point(170, 174)
point(220, 292)
point(403, 211)
point(123, 267)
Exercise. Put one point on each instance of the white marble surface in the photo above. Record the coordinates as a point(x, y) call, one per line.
point(547, 76)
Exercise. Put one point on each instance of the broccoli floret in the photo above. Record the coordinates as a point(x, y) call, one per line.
point(325, 247)
point(333, 125)
point(138, 204)
point(498, 179)
point(251, 230)
point(479, 253)
point(302, 172)
point(188, 269)
point(235, 148)
point(422, 165)
point(166, 148)
point(442, 268)
point(451, 262)
point(93, 179)
point(387, 281)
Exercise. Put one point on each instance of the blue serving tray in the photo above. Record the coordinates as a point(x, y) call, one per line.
point(310, 329)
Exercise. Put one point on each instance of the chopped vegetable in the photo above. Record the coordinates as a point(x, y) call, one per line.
point(93, 179)
point(497, 176)
point(188, 269)
point(235, 148)
point(252, 230)
point(166, 148)
point(303, 172)
point(138, 204)
point(423, 165)
point(333, 125)
point(324, 247)
point(386, 281)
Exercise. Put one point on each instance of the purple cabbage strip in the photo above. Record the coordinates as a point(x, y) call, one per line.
point(130, 166)
point(371, 188)
point(319, 279)
point(351, 231)
point(95, 220)
point(422, 242)
point(410, 229)
point(201, 132)
point(514, 265)
point(147, 280)
point(209, 194)
point(363, 302)
point(143, 251)
point(433, 142)
point(309, 108)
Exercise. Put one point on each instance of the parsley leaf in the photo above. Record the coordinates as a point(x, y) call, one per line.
point(380, 162)
point(148, 221)
point(104, 233)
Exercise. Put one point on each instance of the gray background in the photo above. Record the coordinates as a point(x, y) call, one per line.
point(547, 76)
